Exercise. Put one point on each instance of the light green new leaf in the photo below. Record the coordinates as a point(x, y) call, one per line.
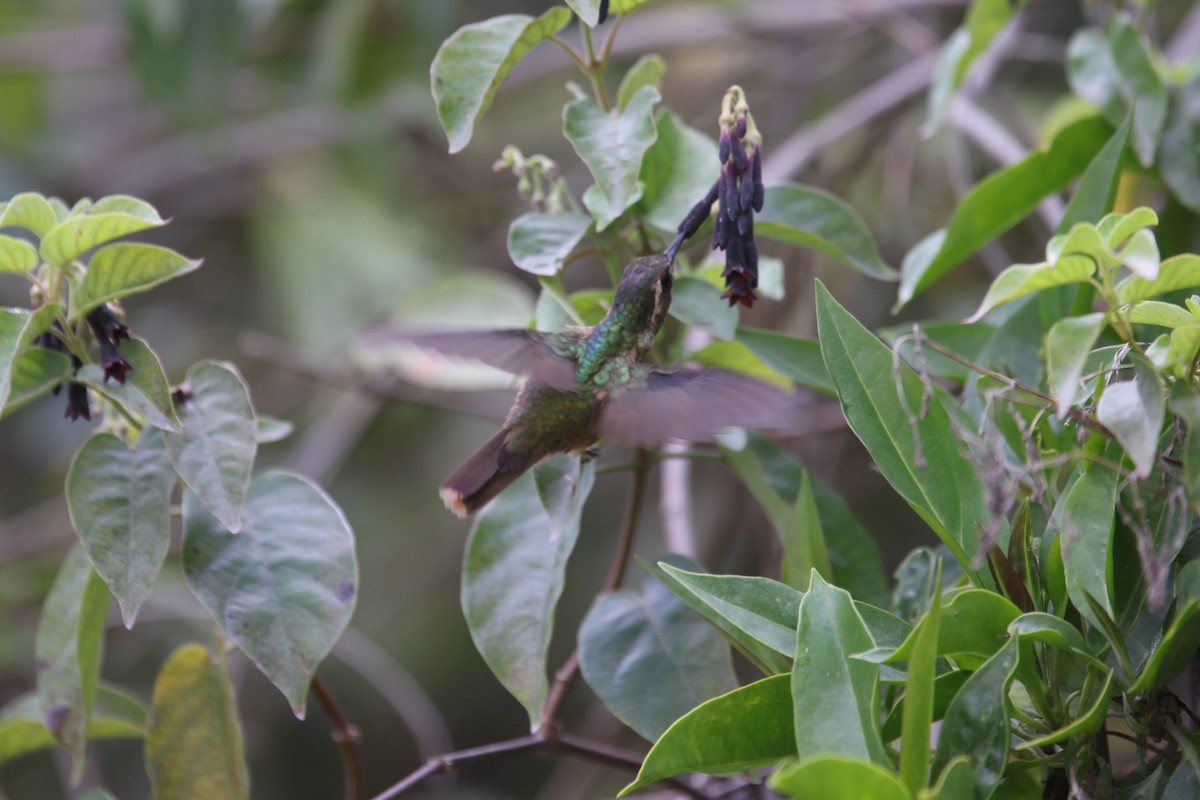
point(18, 328)
point(68, 649)
point(650, 659)
point(35, 372)
point(1179, 272)
point(145, 392)
point(513, 573)
point(284, 588)
point(194, 745)
point(976, 724)
point(1000, 201)
point(1156, 312)
point(922, 462)
point(470, 66)
point(70, 239)
point(123, 269)
point(816, 219)
point(16, 255)
point(677, 172)
point(749, 727)
point(790, 356)
point(698, 303)
point(1097, 188)
point(612, 145)
point(837, 778)
point(1022, 279)
point(31, 211)
point(120, 505)
point(646, 71)
point(1134, 411)
point(272, 429)
point(1116, 228)
point(1140, 255)
point(539, 243)
point(115, 715)
point(214, 453)
point(1068, 343)
point(587, 10)
point(835, 697)
point(1086, 539)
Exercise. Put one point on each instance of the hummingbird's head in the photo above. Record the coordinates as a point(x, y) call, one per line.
point(644, 293)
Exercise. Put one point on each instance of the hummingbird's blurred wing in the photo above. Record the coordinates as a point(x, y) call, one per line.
point(544, 357)
point(686, 402)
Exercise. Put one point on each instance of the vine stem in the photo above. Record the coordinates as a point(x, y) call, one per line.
point(346, 734)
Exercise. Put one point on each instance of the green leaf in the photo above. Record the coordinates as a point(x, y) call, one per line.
point(16, 255)
point(18, 328)
point(70, 239)
point(749, 727)
point(945, 687)
point(1178, 645)
point(612, 145)
point(1068, 343)
point(976, 724)
point(815, 219)
point(835, 697)
point(194, 742)
point(513, 574)
point(283, 589)
point(646, 71)
point(120, 505)
point(215, 452)
point(1156, 312)
point(1093, 197)
point(837, 778)
point(698, 303)
point(1141, 86)
point(1086, 539)
point(271, 429)
point(29, 210)
point(1083, 725)
point(917, 720)
point(563, 486)
point(1179, 272)
point(804, 541)
point(973, 626)
point(984, 20)
point(1134, 411)
point(736, 357)
point(1117, 228)
point(677, 172)
point(922, 462)
point(790, 356)
point(1038, 626)
point(470, 66)
point(1022, 279)
point(587, 10)
point(955, 782)
point(120, 270)
point(1000, 201)
point(145, 392)
point(115, 715)
point(35, 372)
point(68, 649)
point(650, 659)
point(539, 243)
point(1179, 161)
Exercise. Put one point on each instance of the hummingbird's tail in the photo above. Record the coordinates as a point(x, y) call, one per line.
point(485, 474)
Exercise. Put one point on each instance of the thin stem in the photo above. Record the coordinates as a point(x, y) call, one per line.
point(346, 734)
point(571, 51)
point(612, 37)
point(448, 761)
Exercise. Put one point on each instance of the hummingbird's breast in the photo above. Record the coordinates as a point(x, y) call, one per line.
point(545, 420)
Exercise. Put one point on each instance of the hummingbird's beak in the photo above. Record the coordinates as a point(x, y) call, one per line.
point(673, 248)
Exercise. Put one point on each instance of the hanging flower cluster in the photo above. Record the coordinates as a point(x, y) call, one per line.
point(108, 330)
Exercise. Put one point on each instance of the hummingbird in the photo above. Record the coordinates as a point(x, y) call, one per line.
point(589, 383)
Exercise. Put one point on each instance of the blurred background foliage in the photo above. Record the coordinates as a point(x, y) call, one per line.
point(295, 145)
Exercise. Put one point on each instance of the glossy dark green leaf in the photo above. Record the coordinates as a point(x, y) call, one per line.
point(1039, 626)
point(973, 626)
point(563, 485)
point(34, 373)
point(1093, 197)
point(513, 573)
point(976, 724)
point(813, 218)
point(1134, 412)
point(29, 210)
point(804, 540)
point(835, 697)
point(790, 356)
point(612, 145)
point(115, 715)
point(1000, 201)
point(747, 728)
point(917, 719)
point(1068, 343)
point(1178, 644)
point(145, 394)
point(470, 66)
point(194, 741)
point(1086, 540)
point(945, 687)
point(68, 651)
point(698, 303)
point(651, 659)
point(120, 270)
point(1086, 721)
point(922, 462)
point(539, 243)
point(837, 778)
point(282, 589)
point(646, 71)
point(18, 328)
point(120, 505)
point(677, 172)
point(214, 453)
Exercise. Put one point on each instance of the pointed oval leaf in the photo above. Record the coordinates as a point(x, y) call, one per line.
point(115, 715)
point(282, 589)
point(1116, 228)
point(1085, 724)
point(194, 742)
point(123, 269)
point(677, 172)
point(1156, 312)
point(1141, 87)
point(587, 10)
point(1179, 272)
point(70, 239)
point(612, 145)
point(271, 429)
point(68, 649)
point(1097, 188)
point(145, 392)
point(1140, 255)
point(35, 372)
point(1068, 343)
point(539, 243)
point(470, 66)
point(215, 451)
point(31, 211)
point(1170, 657)
point(1022, 279)
point(16, 255)
point(18, 328)
point(1086, 540)
point(837, 778)
point(1134, 412)
point(513, 575)
point(1039, 626)
point(120, 505)
point(814, 218)
point(747, 728)
point(651, 659)
point(648, 70)
point(791, 356)
point(917, 718)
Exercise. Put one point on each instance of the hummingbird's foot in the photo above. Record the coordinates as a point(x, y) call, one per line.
point(590, 453)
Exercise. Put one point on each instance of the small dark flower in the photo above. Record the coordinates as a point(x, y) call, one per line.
point(49, 341)
point(114, 365)
point(603, 13)
point(108, 330)
point(77, 397)
point(181, 395)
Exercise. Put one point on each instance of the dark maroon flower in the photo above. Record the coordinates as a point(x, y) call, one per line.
point(77, 396)
point(108, 330)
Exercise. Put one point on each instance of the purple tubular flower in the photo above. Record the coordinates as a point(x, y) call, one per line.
point(741, 126)
point(723, 147)
point(756, 177)
point(739, 155)
point(603, 12)
point(729, 195)
point(77, 397)
point(108, 330)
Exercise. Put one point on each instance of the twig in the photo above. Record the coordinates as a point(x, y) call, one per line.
point(448, 761)
point(346, 735)
point(1160, 752)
